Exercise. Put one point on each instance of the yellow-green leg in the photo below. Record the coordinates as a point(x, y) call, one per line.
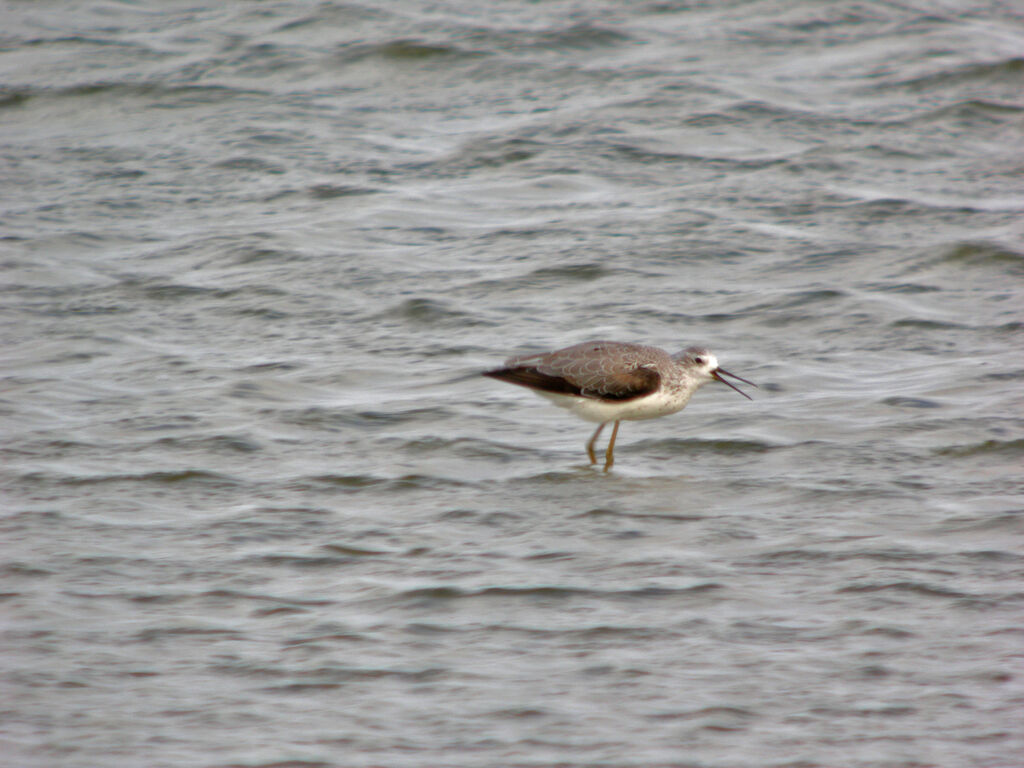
point(609, 455)
point(590, 445)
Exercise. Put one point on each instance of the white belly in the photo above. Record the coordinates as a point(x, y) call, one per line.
point(657, 404)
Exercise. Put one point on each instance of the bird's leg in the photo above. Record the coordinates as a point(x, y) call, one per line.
point(590, 445)
point(609, 455)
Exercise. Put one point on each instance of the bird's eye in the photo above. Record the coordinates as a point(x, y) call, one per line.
point(699, 360)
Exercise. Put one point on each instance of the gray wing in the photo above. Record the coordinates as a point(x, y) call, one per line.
point(606, 370)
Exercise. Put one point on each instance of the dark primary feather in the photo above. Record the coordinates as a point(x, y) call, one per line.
point(534, 379)
point(615, 385)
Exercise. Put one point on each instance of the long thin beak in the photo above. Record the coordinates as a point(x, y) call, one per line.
point(717, 373)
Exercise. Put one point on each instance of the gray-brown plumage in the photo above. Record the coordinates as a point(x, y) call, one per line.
point(607, 381)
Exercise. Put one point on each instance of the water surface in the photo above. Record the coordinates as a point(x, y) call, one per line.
point(260, 509)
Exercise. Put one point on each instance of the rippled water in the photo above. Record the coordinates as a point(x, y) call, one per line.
point(260, 509)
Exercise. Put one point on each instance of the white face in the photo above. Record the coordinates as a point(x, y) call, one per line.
point(703, 366)
point(701, 361)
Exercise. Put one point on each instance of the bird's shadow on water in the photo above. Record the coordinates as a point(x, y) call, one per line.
point(609, 512)
point(618, 474)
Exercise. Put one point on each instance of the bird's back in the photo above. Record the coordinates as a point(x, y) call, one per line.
point(609, 369)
